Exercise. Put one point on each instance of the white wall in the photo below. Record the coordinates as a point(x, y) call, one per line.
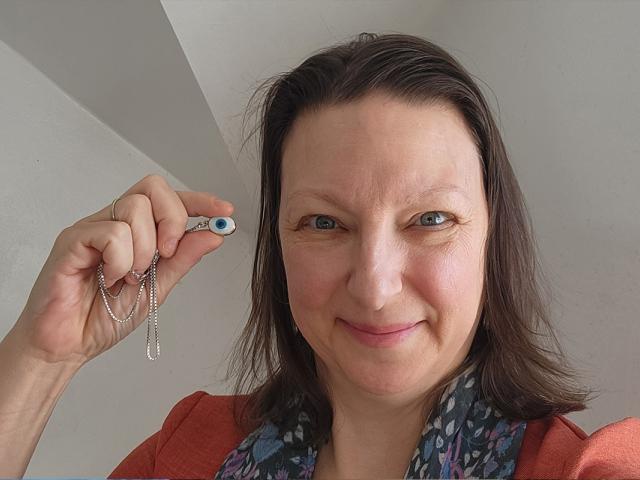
point(57, 165)
point(123, 63)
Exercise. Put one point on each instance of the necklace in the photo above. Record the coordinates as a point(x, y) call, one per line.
point(151, 273)
point(219, 225)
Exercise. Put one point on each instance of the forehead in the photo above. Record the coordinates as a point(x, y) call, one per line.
point(380, 143)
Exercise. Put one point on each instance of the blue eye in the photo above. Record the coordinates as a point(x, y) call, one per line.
point(222, 225)
point(428, 219)
point(323, 222)
point(432, 217)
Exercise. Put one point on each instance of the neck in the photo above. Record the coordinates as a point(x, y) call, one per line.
point(371, 436)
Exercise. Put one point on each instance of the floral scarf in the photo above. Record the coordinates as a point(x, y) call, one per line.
point(466, 438)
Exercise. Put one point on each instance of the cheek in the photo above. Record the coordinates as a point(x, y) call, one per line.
point(313, 275)
point(450, 279)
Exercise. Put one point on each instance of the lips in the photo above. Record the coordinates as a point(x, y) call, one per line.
point(388, 336)
point(377, 330)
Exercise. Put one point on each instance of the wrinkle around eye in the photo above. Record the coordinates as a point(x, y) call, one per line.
point(450, 220)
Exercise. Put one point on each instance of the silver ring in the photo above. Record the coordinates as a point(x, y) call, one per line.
point(138, 276)
point(113, 210)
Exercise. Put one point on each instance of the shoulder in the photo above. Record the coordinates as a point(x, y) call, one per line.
point(200, 410)
point(196, 436)
point(557, 447)
point(202, 430)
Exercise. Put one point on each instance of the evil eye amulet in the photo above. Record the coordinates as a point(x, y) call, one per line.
point(222, 225)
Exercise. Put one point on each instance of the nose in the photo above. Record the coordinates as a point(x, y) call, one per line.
point(376, 273)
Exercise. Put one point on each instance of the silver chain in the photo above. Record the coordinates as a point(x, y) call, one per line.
point(153, 299)
point(150, 273)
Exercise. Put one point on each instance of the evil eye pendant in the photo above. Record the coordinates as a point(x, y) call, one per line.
point(222, 225)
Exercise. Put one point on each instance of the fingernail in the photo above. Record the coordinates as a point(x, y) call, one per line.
point(170, 245)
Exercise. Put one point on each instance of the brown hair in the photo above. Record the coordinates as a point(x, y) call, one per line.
point(523, 370)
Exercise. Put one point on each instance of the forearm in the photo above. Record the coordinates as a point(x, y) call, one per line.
point(29, 391)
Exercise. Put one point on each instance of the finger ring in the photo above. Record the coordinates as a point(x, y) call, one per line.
point(138, 276)
point(113, 209)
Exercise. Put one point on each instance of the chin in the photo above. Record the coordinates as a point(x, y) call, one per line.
point(379, 379)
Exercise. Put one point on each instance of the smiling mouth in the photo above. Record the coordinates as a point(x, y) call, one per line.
point(381, 337)
point(395, 328)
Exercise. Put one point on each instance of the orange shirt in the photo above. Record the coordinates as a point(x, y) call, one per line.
point(200, 431)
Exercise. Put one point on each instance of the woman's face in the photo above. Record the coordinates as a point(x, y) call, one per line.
point(382, 223)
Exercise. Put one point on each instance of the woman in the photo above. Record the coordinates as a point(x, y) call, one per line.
point(397, 327)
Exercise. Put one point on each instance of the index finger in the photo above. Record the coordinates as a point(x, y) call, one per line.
point(171, 208)
point(203, 204)
point(172, 216)
point(196, 204)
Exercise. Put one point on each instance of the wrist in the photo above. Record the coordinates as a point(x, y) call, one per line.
point(16, 345)
point(29, 391)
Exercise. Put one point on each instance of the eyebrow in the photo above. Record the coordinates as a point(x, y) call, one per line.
point(334, 199)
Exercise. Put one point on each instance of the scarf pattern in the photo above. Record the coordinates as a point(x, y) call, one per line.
point(466, 438)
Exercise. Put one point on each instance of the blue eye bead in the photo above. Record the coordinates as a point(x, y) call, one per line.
point(222, 225)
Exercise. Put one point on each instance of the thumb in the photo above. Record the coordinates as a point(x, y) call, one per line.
point(190, 250)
